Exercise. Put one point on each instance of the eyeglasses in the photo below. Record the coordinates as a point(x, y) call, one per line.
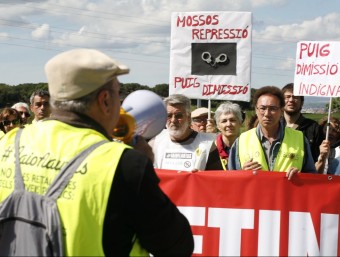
point(199, 120)
point(39, 104)
point(9, 122)
point(177, 115)
point(272, 109)
point(27, 115)
point(294, 98)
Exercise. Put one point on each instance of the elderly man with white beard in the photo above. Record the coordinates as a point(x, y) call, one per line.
point(178, 147)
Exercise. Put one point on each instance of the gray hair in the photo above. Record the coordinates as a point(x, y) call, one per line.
point(80, 105)
point(178, 99)
point(228, 107)
point(21, 104)
point(39, 92)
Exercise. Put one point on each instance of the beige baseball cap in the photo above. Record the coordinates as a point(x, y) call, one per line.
point(200, 112)
point(76, 73)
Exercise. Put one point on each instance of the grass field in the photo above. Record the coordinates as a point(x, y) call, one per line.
point(313, 116)
point(318, 116)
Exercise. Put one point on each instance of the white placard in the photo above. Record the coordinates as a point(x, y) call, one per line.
point(317, 70)
point(210, 55)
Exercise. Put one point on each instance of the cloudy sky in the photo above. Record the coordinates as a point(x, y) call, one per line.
point(137, 33)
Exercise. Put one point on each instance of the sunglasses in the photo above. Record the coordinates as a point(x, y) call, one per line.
point(200, 120)
point(177, 115)
point(27, 115)
point(9, 122)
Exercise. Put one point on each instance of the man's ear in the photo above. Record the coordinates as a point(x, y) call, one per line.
point(103, 99)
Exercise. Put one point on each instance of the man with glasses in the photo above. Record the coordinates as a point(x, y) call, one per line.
point(178, 147)
point(271, 146)
point(293, 118)
point(23, 110)
point(40, 105)
point(200, 121)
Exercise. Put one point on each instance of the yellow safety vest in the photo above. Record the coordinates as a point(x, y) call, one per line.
point(1, 134)
point(44, 148)
point(291, 152)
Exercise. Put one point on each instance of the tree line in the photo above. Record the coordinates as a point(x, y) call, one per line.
point(10, 95)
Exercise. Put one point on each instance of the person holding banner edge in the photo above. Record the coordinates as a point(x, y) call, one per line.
point(329, 158)
point(271, 146)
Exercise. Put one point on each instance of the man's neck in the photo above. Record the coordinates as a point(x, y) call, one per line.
point(291, 118)
point(271, 133)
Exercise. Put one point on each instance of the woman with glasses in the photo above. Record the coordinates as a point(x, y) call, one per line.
point(9, 119)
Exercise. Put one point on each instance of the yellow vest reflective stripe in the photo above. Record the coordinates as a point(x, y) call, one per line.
point(44, 148)
point(291, 152)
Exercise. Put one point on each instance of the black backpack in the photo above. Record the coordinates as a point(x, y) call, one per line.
point(30, 223)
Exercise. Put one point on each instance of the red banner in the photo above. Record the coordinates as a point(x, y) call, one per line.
point(245, 213)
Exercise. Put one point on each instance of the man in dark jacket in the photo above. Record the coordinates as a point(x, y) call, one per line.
point(294, 119)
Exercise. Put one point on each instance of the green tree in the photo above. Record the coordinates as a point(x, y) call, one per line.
point(335, 105)
point(161, 90)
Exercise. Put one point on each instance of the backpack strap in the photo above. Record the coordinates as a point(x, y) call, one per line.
point(18, 180)
point(66, 173)
point(63, 177)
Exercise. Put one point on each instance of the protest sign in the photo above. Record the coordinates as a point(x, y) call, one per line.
point(210, 55)
point(317, 70)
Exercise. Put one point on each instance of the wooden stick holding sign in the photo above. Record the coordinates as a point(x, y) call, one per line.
point(327, 131)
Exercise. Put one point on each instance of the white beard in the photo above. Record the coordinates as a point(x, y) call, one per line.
point(176, 132)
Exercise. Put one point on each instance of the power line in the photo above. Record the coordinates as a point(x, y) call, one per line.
point(95, 35)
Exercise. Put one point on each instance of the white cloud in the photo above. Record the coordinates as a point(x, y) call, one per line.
point(3, 36)
point(320, 28)
point(260, 3)
point(82, 29)
point(42, 32)
point(287, 64)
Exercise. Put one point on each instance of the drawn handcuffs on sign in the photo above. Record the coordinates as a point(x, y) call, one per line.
point(212, 61)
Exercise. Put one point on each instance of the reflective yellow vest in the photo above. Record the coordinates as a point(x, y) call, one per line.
point(1, 134)
point(291, 152)
point(44, 148)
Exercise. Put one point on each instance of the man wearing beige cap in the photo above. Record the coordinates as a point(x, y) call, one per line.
point(112, 205)
point(201, 122)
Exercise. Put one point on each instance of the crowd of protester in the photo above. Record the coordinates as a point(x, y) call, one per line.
point(61, 122)
point(273, 139)
point(209, 137)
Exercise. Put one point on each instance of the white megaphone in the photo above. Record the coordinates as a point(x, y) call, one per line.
point(143, 113)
